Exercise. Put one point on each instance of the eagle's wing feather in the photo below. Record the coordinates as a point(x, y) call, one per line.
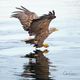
point(41, 24)
point(25, 16)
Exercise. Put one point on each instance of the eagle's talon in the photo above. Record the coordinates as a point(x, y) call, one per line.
point(45, 45)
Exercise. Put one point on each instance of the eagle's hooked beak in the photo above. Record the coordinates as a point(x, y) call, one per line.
point(56, 29)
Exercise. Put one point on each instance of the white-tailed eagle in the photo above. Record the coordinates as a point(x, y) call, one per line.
point(35, 25)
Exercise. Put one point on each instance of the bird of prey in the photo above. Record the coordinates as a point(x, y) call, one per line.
point(38, 26)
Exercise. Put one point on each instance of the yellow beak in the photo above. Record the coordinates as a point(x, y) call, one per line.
point(57, 30)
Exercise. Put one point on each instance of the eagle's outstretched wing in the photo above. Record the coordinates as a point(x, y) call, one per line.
point(41, 24)
point(25, 16)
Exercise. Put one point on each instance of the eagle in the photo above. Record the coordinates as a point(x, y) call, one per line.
point(35, 25)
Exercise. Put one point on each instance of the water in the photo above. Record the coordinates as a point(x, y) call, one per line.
point(62, 60)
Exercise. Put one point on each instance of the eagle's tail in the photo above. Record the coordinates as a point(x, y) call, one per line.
point(31, 41)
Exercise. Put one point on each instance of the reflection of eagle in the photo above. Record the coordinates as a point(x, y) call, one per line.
point(38, 66)
point(38, 26)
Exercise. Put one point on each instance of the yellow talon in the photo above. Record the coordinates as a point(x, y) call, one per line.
point(45, 45)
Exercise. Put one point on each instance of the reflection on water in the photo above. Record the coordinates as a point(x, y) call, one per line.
point(38, 66)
